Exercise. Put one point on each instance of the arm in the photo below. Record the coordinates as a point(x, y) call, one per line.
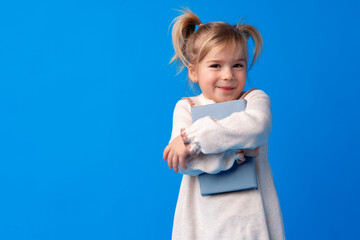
point(241, 130)
point(181, 118)
point(176, 152)
point(210, 163)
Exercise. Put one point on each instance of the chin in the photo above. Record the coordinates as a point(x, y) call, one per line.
point(224, 99)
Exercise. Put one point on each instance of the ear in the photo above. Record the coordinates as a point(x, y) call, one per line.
point(192, 72)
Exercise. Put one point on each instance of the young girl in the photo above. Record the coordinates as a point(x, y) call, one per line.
point(216, 57)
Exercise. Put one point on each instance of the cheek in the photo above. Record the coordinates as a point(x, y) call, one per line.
point(208, 79)
point(206, 84)
point(243, 78)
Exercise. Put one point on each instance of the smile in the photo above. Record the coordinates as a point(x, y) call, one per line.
point(226, 88)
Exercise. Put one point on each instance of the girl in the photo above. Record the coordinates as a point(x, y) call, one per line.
point(216, 57)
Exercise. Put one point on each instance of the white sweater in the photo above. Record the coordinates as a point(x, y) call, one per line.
point(251, 214)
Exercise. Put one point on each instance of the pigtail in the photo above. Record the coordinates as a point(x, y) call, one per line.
point(250, 31)
point(183, 28)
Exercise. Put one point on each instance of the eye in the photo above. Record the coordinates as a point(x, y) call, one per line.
point(215, 66)
point(239, 65)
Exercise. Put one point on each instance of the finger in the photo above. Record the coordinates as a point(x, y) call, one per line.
point(182, 161)
point(189, 101)
point(166, 152)
point(176, 163)
point(240, 161)
point(170, 159)
point(240, 158)
point(183, 135)
point(238, 151)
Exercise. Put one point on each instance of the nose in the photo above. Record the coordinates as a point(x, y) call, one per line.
point(227, 73)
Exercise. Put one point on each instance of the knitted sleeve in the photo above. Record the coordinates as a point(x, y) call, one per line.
point(181, 118)
point(208, 163)
point(241, 130)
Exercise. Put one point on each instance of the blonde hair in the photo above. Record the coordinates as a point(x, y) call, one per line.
point(191, 46)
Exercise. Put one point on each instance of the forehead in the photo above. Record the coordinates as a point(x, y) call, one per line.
point(226, 51)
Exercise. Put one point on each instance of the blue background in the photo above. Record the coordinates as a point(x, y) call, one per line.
point(86, 102)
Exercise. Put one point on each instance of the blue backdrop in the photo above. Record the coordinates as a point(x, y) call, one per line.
point(86, 102)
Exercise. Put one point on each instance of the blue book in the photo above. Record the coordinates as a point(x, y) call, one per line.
point(240, 176)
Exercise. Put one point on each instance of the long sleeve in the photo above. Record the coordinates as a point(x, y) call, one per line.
point(208, 163)
point(181, 118)
point(241, 130)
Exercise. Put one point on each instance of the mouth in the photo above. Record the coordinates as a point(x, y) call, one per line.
point(224, 88)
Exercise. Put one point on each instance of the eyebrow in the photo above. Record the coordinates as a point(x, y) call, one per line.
point(217, 60)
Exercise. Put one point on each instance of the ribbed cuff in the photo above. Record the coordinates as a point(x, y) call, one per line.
point(192, 146)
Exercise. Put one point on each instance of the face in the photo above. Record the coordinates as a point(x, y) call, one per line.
point(221, 75)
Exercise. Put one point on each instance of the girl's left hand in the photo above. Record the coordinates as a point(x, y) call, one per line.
point(176, 152)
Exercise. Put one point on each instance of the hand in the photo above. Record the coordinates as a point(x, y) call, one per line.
point(240, 156)
point(176, 152)
point(242, 153)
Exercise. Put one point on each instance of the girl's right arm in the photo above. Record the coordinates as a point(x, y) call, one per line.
point(176, 152)
point(181, 118)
